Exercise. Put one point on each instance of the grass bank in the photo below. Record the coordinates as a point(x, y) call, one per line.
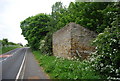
point(59, 68)
point(6, 49)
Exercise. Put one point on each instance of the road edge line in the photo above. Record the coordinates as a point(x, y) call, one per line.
point(24, 67)
point(21, 67)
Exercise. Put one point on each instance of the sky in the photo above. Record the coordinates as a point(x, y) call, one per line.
point(12, 12)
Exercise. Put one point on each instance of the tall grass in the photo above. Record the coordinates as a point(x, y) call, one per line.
point(59, 68)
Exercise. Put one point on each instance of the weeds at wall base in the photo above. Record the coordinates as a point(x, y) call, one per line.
point(59, 68)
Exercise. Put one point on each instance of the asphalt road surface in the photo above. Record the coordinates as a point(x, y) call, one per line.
point(20, 64)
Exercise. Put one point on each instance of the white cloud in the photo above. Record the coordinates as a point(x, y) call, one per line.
point(12, 12)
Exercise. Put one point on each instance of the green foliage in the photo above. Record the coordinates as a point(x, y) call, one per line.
point(47, 47)
point(5, 42)
point(59, 68)
point(34, 29)
point(57, 14)
point(96, 16)
point(92, 15)
point(89, 15)
point(106, 59)
point(11, 43)
point(6, 46)
point(6, 49)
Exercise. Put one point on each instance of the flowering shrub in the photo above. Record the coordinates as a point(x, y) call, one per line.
point(106, 59)
point(46, 45)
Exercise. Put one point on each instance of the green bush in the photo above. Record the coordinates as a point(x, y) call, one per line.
point(47, 46)
point(59, 68)
point(106, 59)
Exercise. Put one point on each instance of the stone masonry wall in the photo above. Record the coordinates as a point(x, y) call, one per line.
point(73, 41)
point(62, 42)
point(81, 39)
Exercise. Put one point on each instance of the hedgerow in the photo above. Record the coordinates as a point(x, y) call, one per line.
point(106, 59)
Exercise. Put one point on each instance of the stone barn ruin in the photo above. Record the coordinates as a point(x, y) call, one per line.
point(73, 41)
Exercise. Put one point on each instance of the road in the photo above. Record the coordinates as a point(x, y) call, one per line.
point(20, 64)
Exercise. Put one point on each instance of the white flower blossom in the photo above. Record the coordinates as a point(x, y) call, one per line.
point(117, 70)
point(101, 64)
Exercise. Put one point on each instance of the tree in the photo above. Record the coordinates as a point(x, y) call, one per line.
point(92, 15)
point(34, 29)
point(57, 13)
point(5, 42)
point(89, 15)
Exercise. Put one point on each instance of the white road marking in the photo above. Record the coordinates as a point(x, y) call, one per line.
point(24, 68)
point(23, 72)
point(17, 77)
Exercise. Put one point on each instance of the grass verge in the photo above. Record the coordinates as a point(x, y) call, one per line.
point(6, 49)
point(59, 68)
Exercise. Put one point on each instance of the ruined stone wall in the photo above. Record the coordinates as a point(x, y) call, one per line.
point(62, 42)
point(81, 39)
point(72, 41)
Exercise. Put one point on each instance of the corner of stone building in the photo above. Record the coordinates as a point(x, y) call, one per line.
point(72, 41)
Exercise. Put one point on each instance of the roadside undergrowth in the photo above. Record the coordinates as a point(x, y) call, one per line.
point(59, 68)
